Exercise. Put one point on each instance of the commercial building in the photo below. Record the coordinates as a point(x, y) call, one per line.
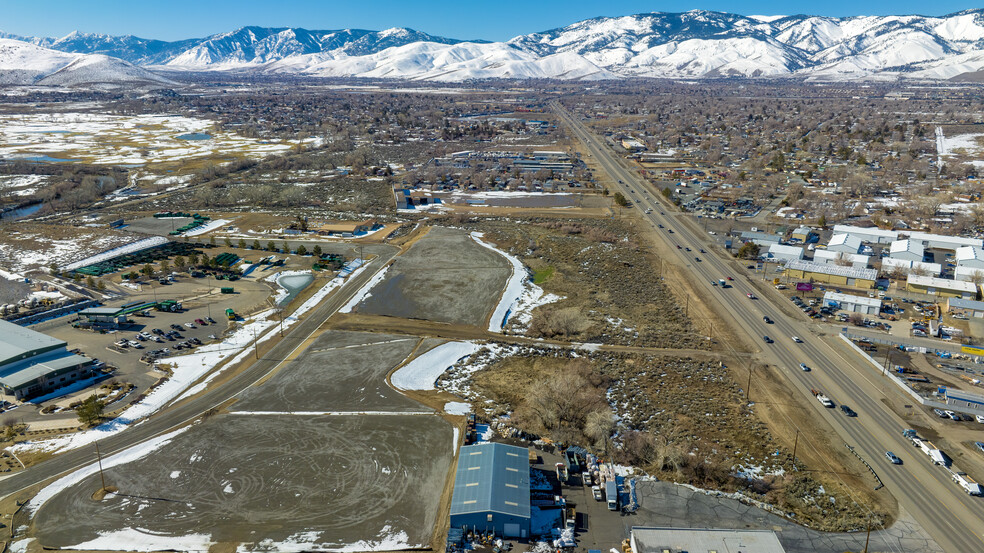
point(104, 317)
point(942, 242)
point(873, 235)
point(856, 304)
point(971, 257)
point(783, 253)
point(854, 260)
point(348, 228)
point(844, 243)
point(892, 265)
point(970, 308)
point(761, 238)
point(968, 274)
point(963, 399)
point(703, 540)
point(941, 287)
point(33, 364)
point(831, 274)
point(907, 250)
point(803, 234)
point(492, 490)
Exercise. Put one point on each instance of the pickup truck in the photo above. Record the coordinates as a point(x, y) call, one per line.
point(596, 492)
point(824, 400)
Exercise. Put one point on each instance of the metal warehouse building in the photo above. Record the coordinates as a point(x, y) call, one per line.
point(32, 363)
point(492, 490)
point(831, 274)
point(857, 304)
point(701, 540)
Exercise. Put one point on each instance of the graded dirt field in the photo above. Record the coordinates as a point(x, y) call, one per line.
point(446, 276)
point(323, 481)
point(340, 371)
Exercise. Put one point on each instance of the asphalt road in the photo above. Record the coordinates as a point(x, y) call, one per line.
point(952, 517)
point(172, 417)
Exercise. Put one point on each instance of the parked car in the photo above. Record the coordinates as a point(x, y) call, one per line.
point(176, 326)
point(201, 322)
point(979, 446)
point(940, 413)
point(210, 320)
point(136, 345)
point(980, 419)
point(190, 325)
point(893, 458)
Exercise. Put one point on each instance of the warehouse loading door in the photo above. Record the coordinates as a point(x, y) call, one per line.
point(510, 530)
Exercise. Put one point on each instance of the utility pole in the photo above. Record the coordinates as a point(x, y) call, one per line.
point(867, 538)
point(99, 461)
point(749, 385)
point(795, 443)
point(256, 351)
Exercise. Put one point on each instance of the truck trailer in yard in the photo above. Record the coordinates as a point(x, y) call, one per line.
point(611, 495)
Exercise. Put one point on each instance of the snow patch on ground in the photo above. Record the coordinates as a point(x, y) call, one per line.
point(514, 287)
point(207, 227)
point(137, 246)
point(364, 292)
point(138, 539)
point(422, 373)
point(457, 408)
point(388, 540)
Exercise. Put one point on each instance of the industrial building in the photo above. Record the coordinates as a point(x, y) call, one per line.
point(873, 235)
point(831, 274)
point(703, 540)
point(348, 228)
point(907, 267)
point(941, 287)
point(855, 260)
point(803, 234)
point(856, 304)
point(33, 364)
point(942, 242)
point(968, 274)
point(970, 257)
point(761, 238)
point(104, 317)
point(907, 250)
point(970, 308)
point(844, 243)
point(782, 253)
point(967, 400)
point(492, 490)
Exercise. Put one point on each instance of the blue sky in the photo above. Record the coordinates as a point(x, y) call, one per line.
point(464, 19)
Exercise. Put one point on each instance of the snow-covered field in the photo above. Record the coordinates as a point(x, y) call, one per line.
point(23, 185)
point(422, 373)
point(137, 246)
point(133, 139)
point(967, 145)
point(24, 251)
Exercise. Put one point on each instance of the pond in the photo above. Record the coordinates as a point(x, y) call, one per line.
point(21, 212)
point(194, 136)
point(294, 284)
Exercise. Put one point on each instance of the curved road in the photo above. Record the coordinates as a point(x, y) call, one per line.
point(173, 416)
point(952, 517)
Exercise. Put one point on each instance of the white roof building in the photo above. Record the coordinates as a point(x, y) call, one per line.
point(856, 261)
point(846, 243)
point(848, 273)
point(848, 302)
point(781, 252)
point(908, 250)
point(942, 242)
point(890, 264)
point(970, 256)
point(874, 235)
point(967, 290)
point(968, 274)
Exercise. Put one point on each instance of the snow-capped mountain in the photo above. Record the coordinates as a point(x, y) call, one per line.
point(692, 44)
point(22, 63)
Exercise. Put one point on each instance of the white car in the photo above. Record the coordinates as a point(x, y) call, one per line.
point(980, 419)
point(136, 345)
point(797, 339)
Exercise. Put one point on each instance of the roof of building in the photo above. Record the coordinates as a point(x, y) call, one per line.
point(677, 540)
point(751, 235)
point(848, 298)
point(492, 477)
point(786, 250)
point(804, 230)
point(961, 303)
point(102, 311)
point(852, 257)
point(866, 231)
point(970, 253)
point(17, 342)
point(31, 373)
point(889, 263)
point(944, 283)
point(834, 270)
point(847, 240)
point(944, 239)
point(345, 226)
point(906, 246)
point(963, 272)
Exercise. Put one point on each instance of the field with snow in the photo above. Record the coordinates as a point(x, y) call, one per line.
point(26, 249)
point(967, 147)
point(148, 140)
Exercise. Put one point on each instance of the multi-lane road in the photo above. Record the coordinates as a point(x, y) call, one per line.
point(953, 518)
point(216, 395)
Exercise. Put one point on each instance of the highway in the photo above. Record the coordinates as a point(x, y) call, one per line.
point(951, 516)
point(188, 410)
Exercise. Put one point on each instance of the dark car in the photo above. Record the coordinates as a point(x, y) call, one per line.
point(697, 259)
point(767, 339)
point(767, 320)
point(848, 411)
point(702, 250)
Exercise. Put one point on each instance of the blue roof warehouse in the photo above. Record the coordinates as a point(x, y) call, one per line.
point(492, 490)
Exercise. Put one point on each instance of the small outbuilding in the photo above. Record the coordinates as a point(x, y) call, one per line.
point(492, 490)
point(906, 250)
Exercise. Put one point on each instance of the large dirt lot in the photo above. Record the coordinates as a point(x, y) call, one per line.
point(445, 276)
point(340, 371)
point(268, 482)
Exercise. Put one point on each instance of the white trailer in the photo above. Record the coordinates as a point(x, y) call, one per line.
point(966, 482)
